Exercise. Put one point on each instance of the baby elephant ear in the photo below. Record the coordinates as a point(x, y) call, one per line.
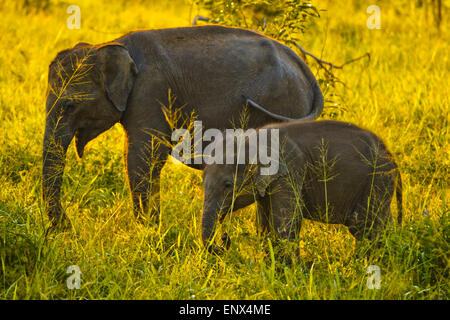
point(290, 156)
point(262, 182)
point(117, 72)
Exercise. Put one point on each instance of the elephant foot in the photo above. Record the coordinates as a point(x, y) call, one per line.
point(150, 219)
point(220, 250)
point(61, 224)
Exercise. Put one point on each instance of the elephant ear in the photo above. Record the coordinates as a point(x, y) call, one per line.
point(117, 71)
point(289, 157)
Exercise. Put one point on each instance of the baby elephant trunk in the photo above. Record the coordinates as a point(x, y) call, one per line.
point(56, 142)
point(209, 222)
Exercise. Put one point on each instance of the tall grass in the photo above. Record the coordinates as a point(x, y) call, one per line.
point(400, 94)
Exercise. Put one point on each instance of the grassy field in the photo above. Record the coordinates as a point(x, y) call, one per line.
point(401, 94)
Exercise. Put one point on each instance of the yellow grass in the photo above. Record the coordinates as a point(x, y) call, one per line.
point(401, 94)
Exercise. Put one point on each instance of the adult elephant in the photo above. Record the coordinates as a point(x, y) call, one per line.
point(212, 70)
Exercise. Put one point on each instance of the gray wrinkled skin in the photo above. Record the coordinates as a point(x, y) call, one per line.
point(329, 171)
point(210, 69)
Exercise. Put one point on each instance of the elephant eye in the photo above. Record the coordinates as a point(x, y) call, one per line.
point(228, 184)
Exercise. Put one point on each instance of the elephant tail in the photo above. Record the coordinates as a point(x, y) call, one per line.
point(398, 195)
point(314, 114)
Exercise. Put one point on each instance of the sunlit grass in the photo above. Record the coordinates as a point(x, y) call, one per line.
point(400, 94)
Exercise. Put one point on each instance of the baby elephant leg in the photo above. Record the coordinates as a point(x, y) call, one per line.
point(370, 218)
point(284, 219)
point(263, 217)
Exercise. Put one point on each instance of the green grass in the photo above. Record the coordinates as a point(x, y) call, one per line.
point(401, 94)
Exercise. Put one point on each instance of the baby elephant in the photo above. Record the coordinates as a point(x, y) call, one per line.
point(327, 171)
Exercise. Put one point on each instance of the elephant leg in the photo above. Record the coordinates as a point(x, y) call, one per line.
point(286, 215)
point(287, 223)
point(284, 219)
point(369, 219)
point(144, 162)
point(263, 216)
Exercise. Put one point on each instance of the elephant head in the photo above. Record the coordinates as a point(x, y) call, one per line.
point(88, 89)
point(229, 187)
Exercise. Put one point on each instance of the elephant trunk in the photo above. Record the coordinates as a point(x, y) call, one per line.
point(209, 222)
point(56, 142)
